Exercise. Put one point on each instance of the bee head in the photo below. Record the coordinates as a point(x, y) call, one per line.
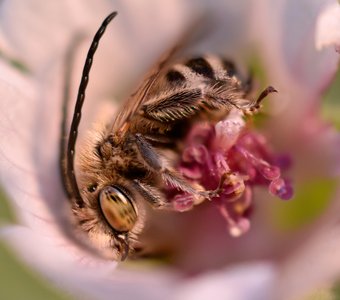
point(115, 205)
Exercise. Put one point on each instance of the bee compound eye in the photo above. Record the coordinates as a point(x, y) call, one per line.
point(117, 209)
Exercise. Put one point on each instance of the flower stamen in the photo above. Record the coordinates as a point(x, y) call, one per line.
point(228, 161)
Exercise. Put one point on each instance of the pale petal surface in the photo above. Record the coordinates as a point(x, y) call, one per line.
point(250, 281)
point(314, 265)
point(328, 27)
point(286, 30)
point(241, 282)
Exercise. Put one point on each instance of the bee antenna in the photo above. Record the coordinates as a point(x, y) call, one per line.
point(72, 184)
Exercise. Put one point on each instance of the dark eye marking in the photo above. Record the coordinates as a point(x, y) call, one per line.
point(201, 66)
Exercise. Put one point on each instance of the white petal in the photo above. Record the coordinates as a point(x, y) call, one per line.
point(85, 276)
point(242, 282)
point(19, 175)
point(286, 32)
point(101, 280)
point(328, 27)
point(29, 127)
point(45, 28)
point(52, 253)
point(81, 274)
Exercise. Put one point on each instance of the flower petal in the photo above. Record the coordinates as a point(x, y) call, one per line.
point(81, 275)
point(315, 263)
point(96, 279)
point(328, 27)
point(248, 281)
point(39, 39)
point(19, 175)
point(286, 31)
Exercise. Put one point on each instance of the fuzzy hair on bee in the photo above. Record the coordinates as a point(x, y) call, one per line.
point(127, 165)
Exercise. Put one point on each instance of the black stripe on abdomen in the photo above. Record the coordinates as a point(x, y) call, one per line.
point(229, 67)
point(175, 77)
point(201, 66)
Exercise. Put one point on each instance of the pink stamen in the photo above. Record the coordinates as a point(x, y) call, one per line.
point(243, 157)
point(183, 202)
point(194, 172)
point(281, 188)
point(267, 171)
point(235, 228)
point(240, 228)
point(221, 163)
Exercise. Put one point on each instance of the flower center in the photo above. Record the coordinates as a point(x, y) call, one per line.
point(239, 154)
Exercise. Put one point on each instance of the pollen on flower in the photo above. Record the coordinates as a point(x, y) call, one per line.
point(242, 156)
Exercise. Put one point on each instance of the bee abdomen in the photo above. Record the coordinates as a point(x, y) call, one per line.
point(229, 67)
point(175, 77)
point(201, 66)
point(207, 68)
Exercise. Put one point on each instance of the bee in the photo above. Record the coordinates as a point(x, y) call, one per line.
point(128, 163)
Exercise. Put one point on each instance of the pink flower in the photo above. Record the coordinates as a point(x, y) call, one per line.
point(238, 156)
point(264, 263)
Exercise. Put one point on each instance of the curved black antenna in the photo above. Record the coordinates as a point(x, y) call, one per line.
point(70, 174)
point(69, 58)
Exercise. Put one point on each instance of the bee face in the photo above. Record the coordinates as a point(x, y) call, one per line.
point(125, 167)
point(111, 213)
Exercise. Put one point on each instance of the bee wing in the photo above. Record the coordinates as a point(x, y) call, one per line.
point(133, 103)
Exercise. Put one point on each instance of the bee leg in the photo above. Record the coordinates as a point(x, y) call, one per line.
point(155, 162)
point(154, 196)
point(159, 140)
point(149, 155)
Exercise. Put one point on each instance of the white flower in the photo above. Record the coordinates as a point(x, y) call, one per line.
point(38, 34)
